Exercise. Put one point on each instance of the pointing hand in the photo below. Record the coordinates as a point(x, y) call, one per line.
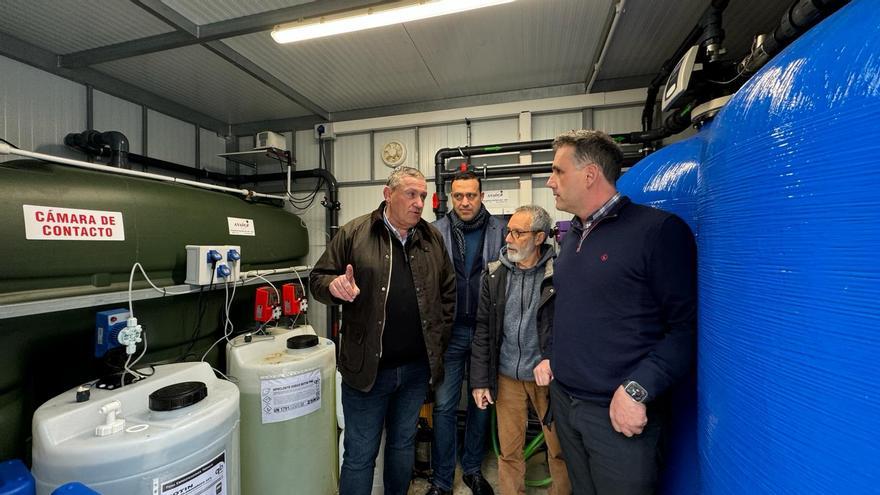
point(344, 287)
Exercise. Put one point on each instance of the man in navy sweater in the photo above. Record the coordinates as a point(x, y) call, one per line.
point(625, 321)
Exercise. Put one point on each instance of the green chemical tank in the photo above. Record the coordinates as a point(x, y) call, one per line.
point(70, 231)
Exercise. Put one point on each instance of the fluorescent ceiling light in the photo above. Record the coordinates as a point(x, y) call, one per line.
point(383, 15)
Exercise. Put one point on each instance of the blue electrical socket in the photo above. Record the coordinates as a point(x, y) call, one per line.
point(107, 326)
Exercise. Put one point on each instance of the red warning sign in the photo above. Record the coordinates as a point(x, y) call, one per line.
point(70, 224)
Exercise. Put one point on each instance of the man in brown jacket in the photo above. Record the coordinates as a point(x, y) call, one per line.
point(390, 272)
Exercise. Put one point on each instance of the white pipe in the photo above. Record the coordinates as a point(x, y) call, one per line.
point(254, 273)
point(5, 149)
point(618, 11)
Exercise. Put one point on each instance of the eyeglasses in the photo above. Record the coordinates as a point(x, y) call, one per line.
point(469, 196)
point(516, 234)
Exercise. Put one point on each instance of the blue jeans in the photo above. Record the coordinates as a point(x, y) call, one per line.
point(443, 452)
point(393, 404)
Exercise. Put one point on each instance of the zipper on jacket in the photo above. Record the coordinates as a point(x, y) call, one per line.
point(522, 295)
point(387, 289)
point(592, 227)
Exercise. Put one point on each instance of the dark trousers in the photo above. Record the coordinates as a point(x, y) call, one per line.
point(600, 460)
point(393, 405)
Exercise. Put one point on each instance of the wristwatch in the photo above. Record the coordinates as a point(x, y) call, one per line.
point(635, 391)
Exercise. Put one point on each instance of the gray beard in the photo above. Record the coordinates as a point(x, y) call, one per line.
point(521, 254)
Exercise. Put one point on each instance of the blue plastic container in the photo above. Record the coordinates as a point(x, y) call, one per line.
point(75, 488)
point(15, 479)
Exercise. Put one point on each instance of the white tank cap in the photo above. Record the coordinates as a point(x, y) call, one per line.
point(111, 424)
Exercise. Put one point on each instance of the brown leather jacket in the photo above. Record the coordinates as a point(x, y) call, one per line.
point(365, 243)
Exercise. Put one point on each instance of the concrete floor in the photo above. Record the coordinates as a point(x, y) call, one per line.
point(536, 468)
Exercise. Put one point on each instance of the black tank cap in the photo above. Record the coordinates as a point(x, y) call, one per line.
point(302, 341)
point(178, 396)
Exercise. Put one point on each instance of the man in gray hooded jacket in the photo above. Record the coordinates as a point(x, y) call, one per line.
point(514, 321)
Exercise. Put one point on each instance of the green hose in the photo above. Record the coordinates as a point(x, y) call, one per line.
point(529, 450)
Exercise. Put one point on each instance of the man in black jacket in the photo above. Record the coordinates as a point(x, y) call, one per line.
point(391, 274)
point(513, 327)
point(624, 325)
point(473, 239)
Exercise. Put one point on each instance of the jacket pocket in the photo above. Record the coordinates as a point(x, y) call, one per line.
point(351, 352)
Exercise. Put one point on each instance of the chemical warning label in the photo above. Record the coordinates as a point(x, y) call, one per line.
point(71, 224)
point(289, 397)
point(207, 479)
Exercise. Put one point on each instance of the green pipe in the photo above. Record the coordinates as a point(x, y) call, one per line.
point(528, 451)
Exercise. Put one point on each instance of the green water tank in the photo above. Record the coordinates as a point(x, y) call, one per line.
point(70, 231)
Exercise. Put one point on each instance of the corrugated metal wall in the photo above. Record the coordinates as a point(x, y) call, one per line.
point(115, 114)
point(170, 139)
point(38, 109)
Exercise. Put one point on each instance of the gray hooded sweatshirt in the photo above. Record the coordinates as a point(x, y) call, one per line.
point(520, 347)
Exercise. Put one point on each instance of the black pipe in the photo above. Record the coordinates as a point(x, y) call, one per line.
point(443, 154)
point(97, 143)
point(800, 16)
point(177, 168)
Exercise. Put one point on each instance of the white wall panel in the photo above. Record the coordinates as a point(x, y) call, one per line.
point(543, 196)
point(351, 157)
point(494, 131)
point(38, 109)
point(548, 126)
point(211, 145)
point(407, 137)
point(358, 200)
point(618, 120)
point(170, 139)
point(115, 114)
point(306, 148)
point(435, 138)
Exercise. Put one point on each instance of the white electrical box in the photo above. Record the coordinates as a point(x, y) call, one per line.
point(324, 131)
point(269, 139)
point(206, 265)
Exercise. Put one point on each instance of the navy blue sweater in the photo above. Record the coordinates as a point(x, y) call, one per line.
point(626, 304)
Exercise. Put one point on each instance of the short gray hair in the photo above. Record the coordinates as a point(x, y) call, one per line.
point(399, 173)
point(593, 147)
point(541, 221)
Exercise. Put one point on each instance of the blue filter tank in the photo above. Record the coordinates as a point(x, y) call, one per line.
point(789, 223)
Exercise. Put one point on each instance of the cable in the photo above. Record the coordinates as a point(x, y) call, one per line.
point(144, 351)
point(131, 281)
point(10, 144)
point(227, 326)
point(737, 76)
point(224, 376)
point(201, 307)
point(125, 372)
point(277, 294)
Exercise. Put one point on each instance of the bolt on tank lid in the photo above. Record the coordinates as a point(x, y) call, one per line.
point(302, 341)
point(178, 396)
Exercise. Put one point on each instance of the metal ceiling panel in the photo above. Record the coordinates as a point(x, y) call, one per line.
point(65, 26)
point(648, 34)
point(196, 77)
point(365, 69)
point(524, 44)
point(546, 43)
point(209, 11)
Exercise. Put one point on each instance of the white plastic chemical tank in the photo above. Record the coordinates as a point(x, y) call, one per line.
point(288, 413)
point(173, 433)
